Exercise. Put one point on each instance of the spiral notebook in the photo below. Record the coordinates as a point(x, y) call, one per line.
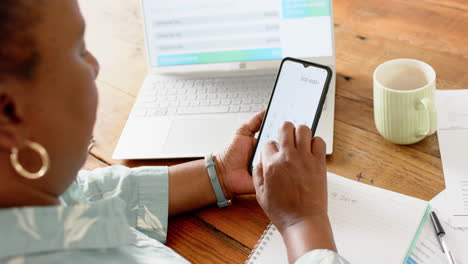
point(370, 225)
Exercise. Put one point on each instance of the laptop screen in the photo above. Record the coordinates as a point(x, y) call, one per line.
point(188, 32)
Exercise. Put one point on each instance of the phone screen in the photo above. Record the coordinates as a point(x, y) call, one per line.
point(296, 98)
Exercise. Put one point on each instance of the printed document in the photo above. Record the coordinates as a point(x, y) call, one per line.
point(452, 108)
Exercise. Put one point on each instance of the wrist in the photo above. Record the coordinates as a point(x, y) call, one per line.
point(298, 222)
point(221, 171)
point(305, 235)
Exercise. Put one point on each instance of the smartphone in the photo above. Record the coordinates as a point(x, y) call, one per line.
point(298, 96)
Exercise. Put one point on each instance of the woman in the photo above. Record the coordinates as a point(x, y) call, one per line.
point(48, 102)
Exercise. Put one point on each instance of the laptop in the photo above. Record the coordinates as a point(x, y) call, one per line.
point(212, 66)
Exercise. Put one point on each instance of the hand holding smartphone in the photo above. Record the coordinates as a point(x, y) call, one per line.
point(298, 97)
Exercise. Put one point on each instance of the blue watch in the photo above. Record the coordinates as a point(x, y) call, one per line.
point(211, 167)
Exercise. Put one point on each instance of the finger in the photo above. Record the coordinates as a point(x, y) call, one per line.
point(286, 136)
point(303, 139)
point(319, 147)
point(252, 126)
point(257, 175)
point(270, 149)
point(259, 181)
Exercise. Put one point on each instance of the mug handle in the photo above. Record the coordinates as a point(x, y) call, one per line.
point(431, 115)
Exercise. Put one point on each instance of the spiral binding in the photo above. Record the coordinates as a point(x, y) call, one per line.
point(269, 231)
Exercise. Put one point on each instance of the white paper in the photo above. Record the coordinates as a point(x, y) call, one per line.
point(428, 250)
point(370, 225)
point(452, 108)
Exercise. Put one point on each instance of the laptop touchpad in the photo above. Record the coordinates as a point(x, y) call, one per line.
point(200, 135)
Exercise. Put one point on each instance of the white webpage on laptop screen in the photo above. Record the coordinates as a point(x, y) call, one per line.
point(187, 32)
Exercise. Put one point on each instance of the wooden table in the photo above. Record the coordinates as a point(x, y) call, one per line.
point(367, 34)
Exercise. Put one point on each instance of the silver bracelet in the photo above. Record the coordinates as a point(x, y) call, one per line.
point(211, 167)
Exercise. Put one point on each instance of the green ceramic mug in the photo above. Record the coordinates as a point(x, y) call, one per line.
point(404, 109)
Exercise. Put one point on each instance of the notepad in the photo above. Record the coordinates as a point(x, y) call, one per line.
point(428, 250)
point(370, 225)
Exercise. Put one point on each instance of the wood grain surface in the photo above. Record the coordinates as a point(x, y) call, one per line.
point(367, 33)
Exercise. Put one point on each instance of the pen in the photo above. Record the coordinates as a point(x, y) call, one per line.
point(440, 233)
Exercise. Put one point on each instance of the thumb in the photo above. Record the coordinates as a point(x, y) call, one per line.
point(252, 126)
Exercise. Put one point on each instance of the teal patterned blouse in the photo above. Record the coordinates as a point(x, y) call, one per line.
point(109, 215)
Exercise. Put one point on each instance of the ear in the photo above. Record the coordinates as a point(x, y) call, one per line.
point(12, 129)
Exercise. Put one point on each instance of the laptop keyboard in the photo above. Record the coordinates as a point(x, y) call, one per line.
point(204, 96)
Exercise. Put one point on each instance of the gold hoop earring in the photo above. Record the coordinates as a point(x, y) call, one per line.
point(21, 170)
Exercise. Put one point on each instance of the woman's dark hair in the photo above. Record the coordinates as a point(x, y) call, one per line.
point(19, 56)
